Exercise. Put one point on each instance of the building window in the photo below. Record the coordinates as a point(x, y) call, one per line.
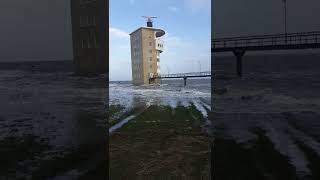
point(87, 20)
point(150, 43)
point(89, 41)
point(96, 45)
point(150, 51)
point(82, 44)
point(150, 66)
point(150, 59)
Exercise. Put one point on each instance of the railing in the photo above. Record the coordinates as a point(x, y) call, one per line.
point(296, 39)
point(184, 75)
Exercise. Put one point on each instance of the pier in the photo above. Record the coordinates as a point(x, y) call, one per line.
point(289, 41)
point(184, 76)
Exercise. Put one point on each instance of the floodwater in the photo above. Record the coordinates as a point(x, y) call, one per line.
point(170, 93)
point(267, 124)
point(52, 124)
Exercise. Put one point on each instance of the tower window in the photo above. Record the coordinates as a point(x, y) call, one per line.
point(89, 45)
point(83, 43)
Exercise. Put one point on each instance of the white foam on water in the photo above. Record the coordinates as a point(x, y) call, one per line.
point(307, 140)
point(199, 106)
point(130, 96)
point(127, 95)
point(284, 143)
point(120, 124)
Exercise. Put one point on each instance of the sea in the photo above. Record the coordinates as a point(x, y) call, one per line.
point(169, 93)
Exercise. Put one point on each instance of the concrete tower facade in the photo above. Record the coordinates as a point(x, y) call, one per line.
point(89, 34)
point(146, 46)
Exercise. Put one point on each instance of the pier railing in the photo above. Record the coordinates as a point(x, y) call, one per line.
point(184, 75)
point(268, 42)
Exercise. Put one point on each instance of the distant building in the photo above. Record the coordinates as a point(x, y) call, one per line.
point(146, 47)
point(89, 35)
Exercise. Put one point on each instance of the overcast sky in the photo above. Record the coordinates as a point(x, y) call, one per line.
point(255, 17)
point(35, 30)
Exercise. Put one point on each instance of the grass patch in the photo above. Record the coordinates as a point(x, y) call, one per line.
point(162, 142)
point(119, 112)
point(235, 161)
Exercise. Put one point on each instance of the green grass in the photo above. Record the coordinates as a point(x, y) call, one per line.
point(161, 143)
point(119, 112)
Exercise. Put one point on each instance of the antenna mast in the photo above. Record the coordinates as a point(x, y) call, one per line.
point(149, 20)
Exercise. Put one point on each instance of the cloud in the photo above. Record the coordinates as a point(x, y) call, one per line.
point(132, 1)
point(173, 42)
point(173, 9)
point(197, 5)
point(118, 33)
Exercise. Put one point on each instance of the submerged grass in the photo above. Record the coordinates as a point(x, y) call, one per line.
point(313, 159)
point(162, 142)
point(237, 161)
point(119, 112)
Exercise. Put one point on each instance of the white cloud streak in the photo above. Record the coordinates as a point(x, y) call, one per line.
point(173, 9)
point(118, 33)
point(197, 5)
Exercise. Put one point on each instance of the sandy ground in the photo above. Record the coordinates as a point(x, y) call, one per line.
point(267, 124)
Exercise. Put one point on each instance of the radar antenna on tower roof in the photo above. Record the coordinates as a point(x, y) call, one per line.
point(149, 20)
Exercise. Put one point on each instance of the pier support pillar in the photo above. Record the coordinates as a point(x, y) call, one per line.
point(239, 54)
point(185, 81)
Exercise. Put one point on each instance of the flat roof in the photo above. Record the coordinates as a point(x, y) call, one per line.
point(161, 32)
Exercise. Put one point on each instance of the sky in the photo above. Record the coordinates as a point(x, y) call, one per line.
point(187, 41)
point(41, 29)
point(35, 30)
point(255, 17)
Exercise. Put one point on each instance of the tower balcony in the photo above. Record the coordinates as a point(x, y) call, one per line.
point(159, 45)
